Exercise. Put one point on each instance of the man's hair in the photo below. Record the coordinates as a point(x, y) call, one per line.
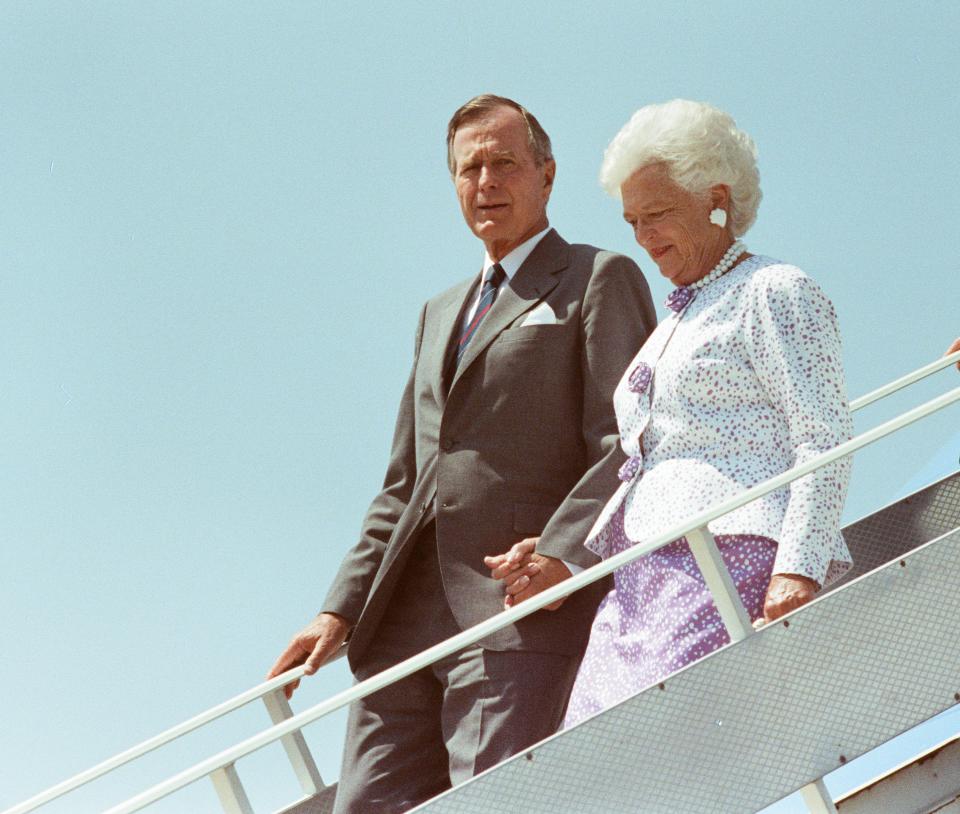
point(479, 107)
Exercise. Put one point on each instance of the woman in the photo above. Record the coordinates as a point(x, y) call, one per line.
point(742, 381)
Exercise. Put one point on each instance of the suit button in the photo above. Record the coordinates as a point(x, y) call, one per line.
point(448, 444)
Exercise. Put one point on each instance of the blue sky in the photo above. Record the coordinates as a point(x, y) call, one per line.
point(219, 222)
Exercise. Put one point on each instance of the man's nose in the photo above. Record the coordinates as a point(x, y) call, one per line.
point(487, 178)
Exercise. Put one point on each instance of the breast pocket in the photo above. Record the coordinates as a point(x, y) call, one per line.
point(530, 333)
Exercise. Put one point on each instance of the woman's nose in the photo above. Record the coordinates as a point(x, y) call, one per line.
point(643, 234)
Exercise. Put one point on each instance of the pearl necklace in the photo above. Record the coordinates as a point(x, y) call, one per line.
point(727, 262)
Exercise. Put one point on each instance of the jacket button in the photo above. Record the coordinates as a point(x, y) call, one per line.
point(447, 444)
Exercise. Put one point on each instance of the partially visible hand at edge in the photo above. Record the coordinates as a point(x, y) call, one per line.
point(953, 349)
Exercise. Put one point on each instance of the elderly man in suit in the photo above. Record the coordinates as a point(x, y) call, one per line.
point(505, 431)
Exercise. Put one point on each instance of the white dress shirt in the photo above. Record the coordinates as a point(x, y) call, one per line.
point(510, 265)
point(747, 382)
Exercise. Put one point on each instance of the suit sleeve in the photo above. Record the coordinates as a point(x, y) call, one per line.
point(352, 583)
point(617, 315)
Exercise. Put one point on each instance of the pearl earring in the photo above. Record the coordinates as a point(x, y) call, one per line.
point(718, 217)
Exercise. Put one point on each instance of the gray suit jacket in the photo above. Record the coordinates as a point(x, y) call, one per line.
point(522, 442)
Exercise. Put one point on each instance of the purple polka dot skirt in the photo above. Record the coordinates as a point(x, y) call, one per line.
point(660, 617)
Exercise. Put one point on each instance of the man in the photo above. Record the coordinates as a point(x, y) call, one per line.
point(505, 431)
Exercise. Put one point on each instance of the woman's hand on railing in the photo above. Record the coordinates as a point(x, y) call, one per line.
point(786, 593)
point(953, 349)
point(312, 646)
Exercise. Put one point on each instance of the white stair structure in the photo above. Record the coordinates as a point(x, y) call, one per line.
point(769, 714)
point(778, 710)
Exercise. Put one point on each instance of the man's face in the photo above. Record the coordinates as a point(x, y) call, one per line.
point(503, 193)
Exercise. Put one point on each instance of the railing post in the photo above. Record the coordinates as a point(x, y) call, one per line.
point(737, 621)
point(233, 797)
point(715, 574)
point(817, 799)
point(295, 744)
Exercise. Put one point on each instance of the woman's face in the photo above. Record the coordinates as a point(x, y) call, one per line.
point(673, 225)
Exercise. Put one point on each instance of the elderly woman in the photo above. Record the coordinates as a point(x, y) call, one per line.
point(742, 381)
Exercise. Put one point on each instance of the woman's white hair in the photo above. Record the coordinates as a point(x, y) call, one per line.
point(701, 147)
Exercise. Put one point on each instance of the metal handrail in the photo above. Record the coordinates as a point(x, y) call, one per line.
point(267, 687)
point(904, 381)
point(162, 739)
point(155, 742)
point(517, 612)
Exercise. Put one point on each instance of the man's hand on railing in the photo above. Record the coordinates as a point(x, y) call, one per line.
point(786, 593)
point(525, 573)
point(312, 646)
point(953, 349)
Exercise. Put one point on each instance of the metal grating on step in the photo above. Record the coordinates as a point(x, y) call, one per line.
point(321, 803)
point(761, 718)
point(889, 533)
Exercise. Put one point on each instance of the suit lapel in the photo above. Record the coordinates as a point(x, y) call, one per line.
point(446, 332)
point(536, 278)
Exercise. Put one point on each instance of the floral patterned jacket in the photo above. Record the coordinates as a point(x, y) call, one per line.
point(743, 382)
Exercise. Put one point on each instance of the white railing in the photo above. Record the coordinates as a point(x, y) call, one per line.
point(287, 726)
point(905, 381)
point(277, 707)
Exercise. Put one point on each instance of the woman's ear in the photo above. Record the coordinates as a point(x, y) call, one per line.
point(720, 197)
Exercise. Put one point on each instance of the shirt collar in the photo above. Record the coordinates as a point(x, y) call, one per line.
point(512, 262)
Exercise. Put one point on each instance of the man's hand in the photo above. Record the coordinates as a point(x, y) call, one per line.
point(787, 592)
point(313, 645)
point(526, 573)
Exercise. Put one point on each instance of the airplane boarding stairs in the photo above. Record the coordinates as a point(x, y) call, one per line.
point(773, 712)
point(765, 716)
point(872, 657)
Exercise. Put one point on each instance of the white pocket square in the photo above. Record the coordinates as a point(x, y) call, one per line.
point(541, 315)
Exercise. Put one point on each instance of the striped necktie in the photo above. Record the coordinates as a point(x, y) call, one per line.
point(488, 293)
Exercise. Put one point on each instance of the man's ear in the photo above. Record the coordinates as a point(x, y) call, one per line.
point(549, 173)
